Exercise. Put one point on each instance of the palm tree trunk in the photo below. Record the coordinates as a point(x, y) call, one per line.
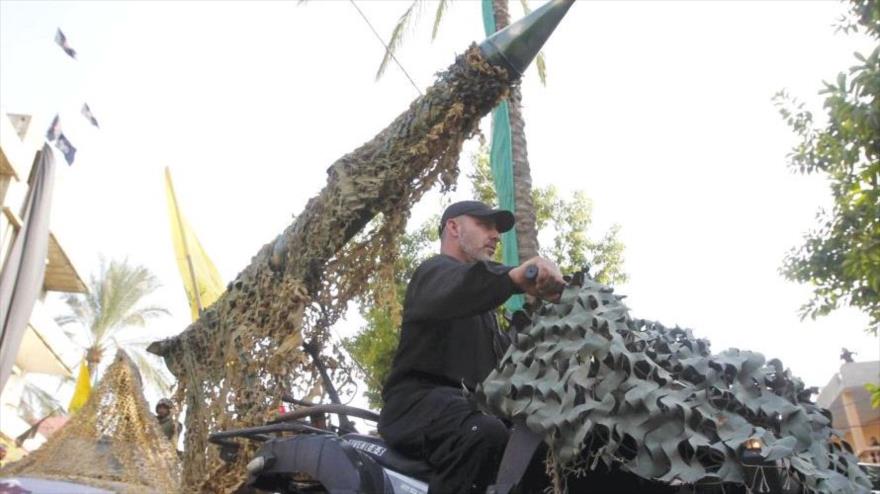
point(94, 354)
point(526, 232)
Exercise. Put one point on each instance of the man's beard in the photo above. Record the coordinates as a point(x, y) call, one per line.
point(475, 253)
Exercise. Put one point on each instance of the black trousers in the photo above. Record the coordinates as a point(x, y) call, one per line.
point(463, 445)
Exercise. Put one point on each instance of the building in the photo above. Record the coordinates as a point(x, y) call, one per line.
point(45, 349)
point(850, 404)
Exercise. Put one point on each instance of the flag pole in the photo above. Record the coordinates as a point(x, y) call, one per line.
point(192, 272)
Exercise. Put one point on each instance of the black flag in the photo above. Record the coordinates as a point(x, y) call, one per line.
point(61, 39)
point(87, 112)
point(66, 149)
point(54, 130)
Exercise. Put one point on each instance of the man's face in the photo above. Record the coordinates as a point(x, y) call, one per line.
point(162, 411)
point(477, 237)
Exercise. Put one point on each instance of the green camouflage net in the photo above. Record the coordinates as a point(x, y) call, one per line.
point(112, 442)
point(245, 352)
point(603, 387)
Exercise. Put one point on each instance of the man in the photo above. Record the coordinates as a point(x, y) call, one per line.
point(450, 339)
point(166, 422)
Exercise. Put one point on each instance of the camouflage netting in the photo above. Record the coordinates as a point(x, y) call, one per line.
point(603, 387)
point(112, 442)
point(244, 353)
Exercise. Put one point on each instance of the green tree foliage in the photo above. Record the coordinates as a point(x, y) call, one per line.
point(565, 220)
point(114, 303)
point(841, 257)
point(875, 394)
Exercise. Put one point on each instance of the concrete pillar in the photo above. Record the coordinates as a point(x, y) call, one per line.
point(859, 443)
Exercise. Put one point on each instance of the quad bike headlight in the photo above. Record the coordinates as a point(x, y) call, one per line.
point(256, 465)
point(753, 444)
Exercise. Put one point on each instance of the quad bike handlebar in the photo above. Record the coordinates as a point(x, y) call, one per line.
point(332, 408)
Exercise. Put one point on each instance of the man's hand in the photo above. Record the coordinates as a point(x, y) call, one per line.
point(547, 286)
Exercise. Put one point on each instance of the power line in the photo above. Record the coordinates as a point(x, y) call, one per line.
point(387, 49)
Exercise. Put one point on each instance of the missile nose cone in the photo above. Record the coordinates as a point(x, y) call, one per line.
point(515, 46)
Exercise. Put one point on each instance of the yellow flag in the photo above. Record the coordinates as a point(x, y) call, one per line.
point(200, 278)
point(83, 389)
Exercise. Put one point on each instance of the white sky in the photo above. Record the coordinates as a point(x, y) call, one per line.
point(660, 111)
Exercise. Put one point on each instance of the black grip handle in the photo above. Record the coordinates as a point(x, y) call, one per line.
point(531, 273)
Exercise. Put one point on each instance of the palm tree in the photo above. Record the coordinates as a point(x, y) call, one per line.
point(113, 304)
point(526, 230)
point(36, 402)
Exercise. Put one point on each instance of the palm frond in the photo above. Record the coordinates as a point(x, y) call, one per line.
point(151, 368)
point(141, 317)
point(542, 68)
point(115, 341)
point(138, 339)
point(80, 311)
point(66, 319)
point(38, 401)
point(126, 286)
point(397, 35)
point(539, 61)
point(113, 302)
point(71, 334)
point(438, 16)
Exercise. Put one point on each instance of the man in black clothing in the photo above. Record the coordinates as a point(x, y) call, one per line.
point(170, 427)
point(450, 339)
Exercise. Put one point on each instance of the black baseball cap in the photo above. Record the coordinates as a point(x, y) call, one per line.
point(503, 218)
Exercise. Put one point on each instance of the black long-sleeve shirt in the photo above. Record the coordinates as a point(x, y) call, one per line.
point(449, 334)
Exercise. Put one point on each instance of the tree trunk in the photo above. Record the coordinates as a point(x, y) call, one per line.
point(94, 354)
point(526, 232)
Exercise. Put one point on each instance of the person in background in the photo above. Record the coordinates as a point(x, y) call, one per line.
point(170, 427)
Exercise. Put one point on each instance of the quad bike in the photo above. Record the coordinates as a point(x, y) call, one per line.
point(325, 459)
point(337, 460)
point(319, 459)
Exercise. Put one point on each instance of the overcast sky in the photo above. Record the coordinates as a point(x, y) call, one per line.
point(660, 111)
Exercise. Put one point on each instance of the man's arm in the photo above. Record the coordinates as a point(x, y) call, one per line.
point(443, 288)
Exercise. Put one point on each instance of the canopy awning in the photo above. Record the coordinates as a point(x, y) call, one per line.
point(60, 275)
point(45, 348)
point(36, 355)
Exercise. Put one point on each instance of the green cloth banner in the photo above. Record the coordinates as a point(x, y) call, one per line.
point(501, 162)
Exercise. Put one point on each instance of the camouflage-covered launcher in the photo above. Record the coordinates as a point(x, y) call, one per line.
point(240, 357)
point(606, 390)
